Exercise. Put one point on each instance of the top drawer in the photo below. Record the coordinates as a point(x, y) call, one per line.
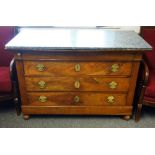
point(51, 68)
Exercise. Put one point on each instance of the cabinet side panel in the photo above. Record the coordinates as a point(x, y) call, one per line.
point(21, 80)
point(133, 81)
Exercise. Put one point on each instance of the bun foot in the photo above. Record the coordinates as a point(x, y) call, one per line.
point(26, 117)
point(126, 117)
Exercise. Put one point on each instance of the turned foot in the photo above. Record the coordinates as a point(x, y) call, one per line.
point(126, 117)
point(26, 117)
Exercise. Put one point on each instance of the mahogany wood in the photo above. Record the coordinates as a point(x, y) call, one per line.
point(144, 73)
point(78, 110)
point(74, 80)
point(85, 98)
point(26, 117)
point(68, 68)
point(84, 83)
point(60, 76)
point(80, 56)
point(133, 81)
point(21, 79)
point(126, 117)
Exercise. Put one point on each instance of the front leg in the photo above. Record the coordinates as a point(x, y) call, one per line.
point(26, 117)
point(126, 117)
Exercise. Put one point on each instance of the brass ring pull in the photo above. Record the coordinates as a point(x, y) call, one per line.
point(40, 67)
point(42, 99)
point(42, 84)
point(77, 84)
point(76, 99)
point(113, 84)
point(115, 68)
point(110, 99)
point(77, 67)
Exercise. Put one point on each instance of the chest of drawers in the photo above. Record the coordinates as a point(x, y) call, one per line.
point(78, 80)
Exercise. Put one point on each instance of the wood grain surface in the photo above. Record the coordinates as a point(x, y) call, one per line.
point(77, 84)
point(68, 68)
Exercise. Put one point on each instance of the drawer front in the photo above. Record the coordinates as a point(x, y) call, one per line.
point(76, 99)
point(48, 68)
point(76, 84)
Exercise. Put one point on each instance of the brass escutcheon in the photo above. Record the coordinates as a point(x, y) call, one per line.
point(76, 99)
point(77, 67)
point(40, 67)
point(42, 84)
point(113, 84)
point(111, 99)
point(115, 68)
point(42, 99)
point(77, 84)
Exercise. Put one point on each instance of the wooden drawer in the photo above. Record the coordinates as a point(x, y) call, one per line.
point(48, 68)
point(76, 99)
point(76, 84)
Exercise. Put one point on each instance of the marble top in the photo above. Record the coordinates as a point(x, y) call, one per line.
point(77, 39)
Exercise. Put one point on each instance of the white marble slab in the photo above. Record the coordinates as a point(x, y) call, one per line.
point(76, 39)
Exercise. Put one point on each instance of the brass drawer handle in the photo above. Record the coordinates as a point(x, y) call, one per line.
point(113, 84)
point(76, 99)
point(77, 67)
point(42, 84)
point(115, 68)
point(40, 67)
point(77, 84)
point(110, 99)
point(42, 99)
